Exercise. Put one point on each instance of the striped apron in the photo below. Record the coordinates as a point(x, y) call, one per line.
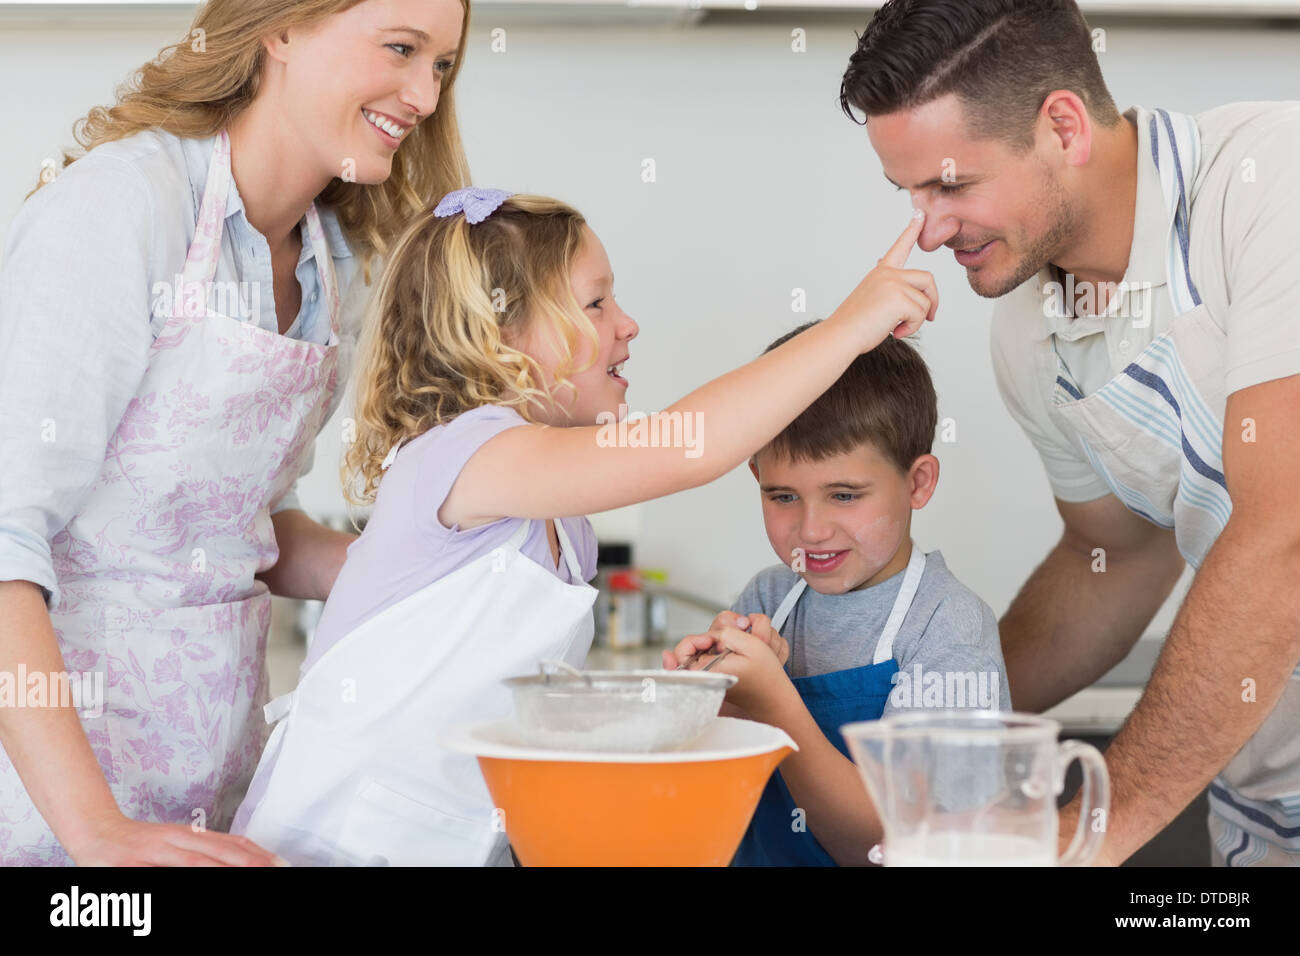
point(1154, 433)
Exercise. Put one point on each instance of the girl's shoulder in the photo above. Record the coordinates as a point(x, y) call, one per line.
point(439, 454)
point(424, 469)
point(484, 419)
point(487, 413)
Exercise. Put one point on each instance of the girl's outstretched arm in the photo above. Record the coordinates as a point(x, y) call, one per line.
point(538, 471)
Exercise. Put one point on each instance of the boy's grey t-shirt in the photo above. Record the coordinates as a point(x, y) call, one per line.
point(947, 630)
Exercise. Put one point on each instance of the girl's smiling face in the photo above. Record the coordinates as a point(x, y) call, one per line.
point(848, 516)
point(598, 389)
point(378, 64)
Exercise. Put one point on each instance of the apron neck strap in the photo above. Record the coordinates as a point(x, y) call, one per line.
point(520, 534)
point(205, 251)
point(1176, 152)
point(787, 604)
point(902, 603)
point(570, 555)
point(325, 276)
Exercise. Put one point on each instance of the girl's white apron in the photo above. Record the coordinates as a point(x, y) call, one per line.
point(359, 775)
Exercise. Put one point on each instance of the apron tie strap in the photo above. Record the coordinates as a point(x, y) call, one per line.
point(279, 707)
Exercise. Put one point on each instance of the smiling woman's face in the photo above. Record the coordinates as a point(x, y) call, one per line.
point(1004, 214)
point(379, 62)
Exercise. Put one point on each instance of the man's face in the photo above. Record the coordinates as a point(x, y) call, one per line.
point(1004, 214)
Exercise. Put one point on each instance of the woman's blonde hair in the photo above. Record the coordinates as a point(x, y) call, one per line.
point(196, 86)
point(445, 320)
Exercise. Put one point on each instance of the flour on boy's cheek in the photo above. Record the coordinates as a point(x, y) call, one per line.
point(878, 543)
point(878, 540)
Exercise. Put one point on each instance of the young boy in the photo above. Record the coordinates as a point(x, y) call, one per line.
point(857, 622)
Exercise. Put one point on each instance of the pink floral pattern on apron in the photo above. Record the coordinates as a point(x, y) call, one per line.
point(157, 570)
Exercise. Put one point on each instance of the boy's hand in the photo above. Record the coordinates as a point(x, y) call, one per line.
point(759, 625)
point(752, 659)
point(892, 299)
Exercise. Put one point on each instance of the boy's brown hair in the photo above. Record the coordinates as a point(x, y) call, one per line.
point(885, 398)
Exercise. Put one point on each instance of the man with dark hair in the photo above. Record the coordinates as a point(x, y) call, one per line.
point(1147, 339)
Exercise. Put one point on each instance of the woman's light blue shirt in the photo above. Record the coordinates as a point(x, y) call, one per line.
point(85, 273)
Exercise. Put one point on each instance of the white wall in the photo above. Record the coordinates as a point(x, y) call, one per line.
point(763, 186)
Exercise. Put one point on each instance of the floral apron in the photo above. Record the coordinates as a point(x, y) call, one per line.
point(157, 569)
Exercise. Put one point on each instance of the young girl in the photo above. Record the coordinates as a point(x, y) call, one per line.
point(493, 345)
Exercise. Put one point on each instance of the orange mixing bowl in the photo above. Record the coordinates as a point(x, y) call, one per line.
point(686, 807)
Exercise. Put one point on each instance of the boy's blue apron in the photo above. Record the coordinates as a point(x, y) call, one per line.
point(777, 836)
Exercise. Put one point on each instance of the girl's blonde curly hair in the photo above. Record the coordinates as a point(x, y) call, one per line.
point(444, 322)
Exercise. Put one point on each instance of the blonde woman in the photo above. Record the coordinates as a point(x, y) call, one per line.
point(169, 348)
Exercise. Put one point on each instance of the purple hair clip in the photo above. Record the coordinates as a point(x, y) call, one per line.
point(477, 203)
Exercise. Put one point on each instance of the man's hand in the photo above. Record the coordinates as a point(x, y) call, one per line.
point(1069, 821)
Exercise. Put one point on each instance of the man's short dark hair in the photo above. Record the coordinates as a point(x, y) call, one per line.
point(885, 398)
point(1000, 57)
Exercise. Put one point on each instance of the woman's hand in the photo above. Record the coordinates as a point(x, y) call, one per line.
point(310, 556)
point(125, 842)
